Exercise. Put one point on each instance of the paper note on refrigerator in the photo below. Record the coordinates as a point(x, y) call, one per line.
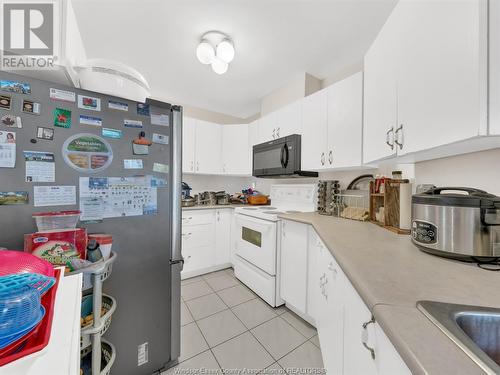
point(7, 149)
point(117, 197)
point(40, 166)
point(54, 195)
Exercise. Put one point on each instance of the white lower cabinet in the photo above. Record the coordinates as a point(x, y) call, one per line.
point(294, 264)
point(330, 316)
point(223, 220)
point(205, 241)
point(352, 343)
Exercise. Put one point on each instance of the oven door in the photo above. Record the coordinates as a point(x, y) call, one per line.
point(272, 158)
point(256, 242)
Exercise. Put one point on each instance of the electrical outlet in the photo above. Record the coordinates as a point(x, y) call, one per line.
point(142, 354)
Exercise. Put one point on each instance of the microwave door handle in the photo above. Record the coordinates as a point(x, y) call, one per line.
point(283, 164)
point(285, 147)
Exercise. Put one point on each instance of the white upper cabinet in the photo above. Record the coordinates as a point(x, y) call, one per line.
point(267, 127)
point(289, 120)
point(208, 148)
point(188, 144)
point(235, 150)
point(426, 81)
point(442, 73)
point(281, 123)
point(380, 95)
point(314, 130)
point(345, 121)
point(494, 99)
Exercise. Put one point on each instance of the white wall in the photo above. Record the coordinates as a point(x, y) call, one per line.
point(479, 170)
point(231, 185)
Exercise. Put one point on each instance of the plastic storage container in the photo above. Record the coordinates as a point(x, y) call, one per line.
point(56, 220)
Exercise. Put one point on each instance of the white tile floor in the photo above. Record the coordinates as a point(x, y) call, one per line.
point(226, 326)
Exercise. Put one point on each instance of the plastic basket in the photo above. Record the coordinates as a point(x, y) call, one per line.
point(40, 283)
point(109, 303)
point(40, 338)
point(108, 356)
point(19, 309)
point(101, 270)
point(56, 220)
point(20, 262)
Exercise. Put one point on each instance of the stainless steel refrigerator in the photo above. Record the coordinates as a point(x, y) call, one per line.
point(146, 275)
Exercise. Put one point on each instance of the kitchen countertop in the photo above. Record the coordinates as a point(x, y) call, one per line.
point(391, 275)
point(212, 207)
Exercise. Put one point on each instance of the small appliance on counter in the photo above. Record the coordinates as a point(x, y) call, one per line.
point(457, 222)
point(186, 190)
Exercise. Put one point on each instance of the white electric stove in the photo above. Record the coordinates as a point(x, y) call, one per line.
point(257, 255)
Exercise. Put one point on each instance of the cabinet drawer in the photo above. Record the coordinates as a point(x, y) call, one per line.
point(198, 258)
point(198, 235)
point(193, 217)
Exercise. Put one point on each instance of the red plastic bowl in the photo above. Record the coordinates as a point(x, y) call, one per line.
point(21, 262)
point(39, 338)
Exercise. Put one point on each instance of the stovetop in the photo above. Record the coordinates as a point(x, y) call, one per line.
point(286, 199)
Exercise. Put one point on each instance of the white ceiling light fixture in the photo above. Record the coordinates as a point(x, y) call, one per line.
point(216, 49)
point(219, 66)
point(205, 52)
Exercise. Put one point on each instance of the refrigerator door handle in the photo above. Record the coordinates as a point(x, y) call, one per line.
point(176, 254)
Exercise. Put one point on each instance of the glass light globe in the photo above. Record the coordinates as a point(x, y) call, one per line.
point(205, 52)
point(219, 66)
point(225, 51)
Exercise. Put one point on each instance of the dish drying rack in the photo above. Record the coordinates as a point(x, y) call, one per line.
point(350, 204)
point(91, 340)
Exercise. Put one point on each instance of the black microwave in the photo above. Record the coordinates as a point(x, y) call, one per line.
point(279, 158)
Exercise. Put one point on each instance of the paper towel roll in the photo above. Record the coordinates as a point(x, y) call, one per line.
point(405, 191)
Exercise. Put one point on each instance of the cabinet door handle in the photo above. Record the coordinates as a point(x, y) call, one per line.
point(274, 135)
point(364, 336)
point(396, 138)
point(330, 157)
point(278, 132)
point(192, 166)
point(322, 158)
point(197, 166)
point(387, 139)
point(187, 218)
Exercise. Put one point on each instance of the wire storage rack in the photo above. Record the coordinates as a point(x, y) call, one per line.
point(91, 342)
point(351, 206)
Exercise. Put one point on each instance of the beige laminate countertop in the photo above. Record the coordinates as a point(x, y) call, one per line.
point(212, 207)
point(391, 275)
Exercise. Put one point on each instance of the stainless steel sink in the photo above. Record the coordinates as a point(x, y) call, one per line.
point(476, 330)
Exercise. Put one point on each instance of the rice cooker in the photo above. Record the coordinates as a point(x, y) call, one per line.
point(457, 222)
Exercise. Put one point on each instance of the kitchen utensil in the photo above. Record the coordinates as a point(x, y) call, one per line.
point(188, 202)
point(20, 262)
point(19, 308)
point(457, 222)
point(39, 338)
